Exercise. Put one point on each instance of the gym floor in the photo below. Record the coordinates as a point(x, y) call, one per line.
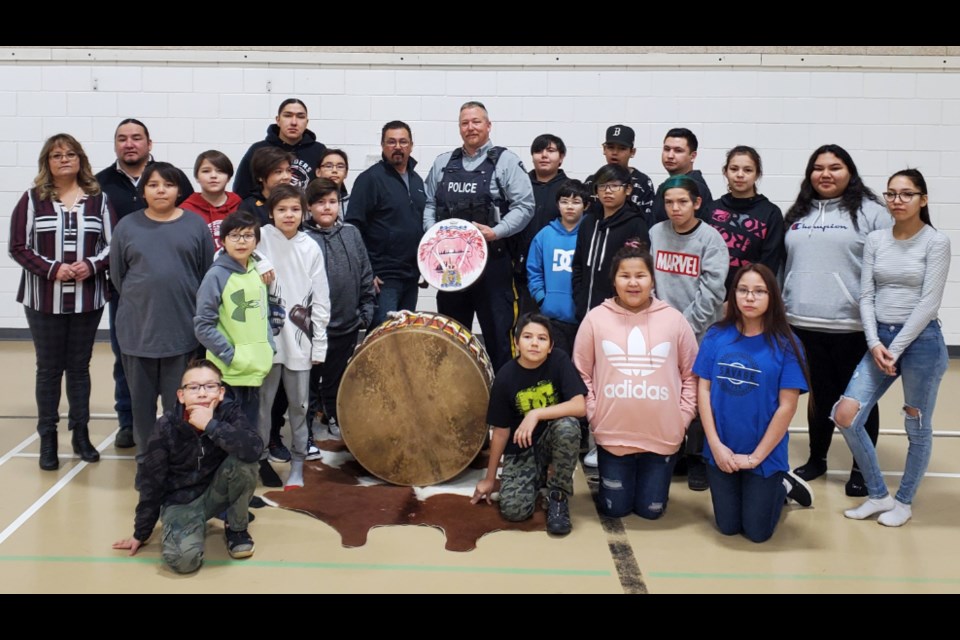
point(56, 528)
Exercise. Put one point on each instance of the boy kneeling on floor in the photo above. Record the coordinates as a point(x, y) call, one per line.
point(202, 459)
point(534, 405)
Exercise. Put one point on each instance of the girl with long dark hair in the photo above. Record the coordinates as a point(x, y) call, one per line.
point(752, 372)
point(826, 229)
point(904, 275)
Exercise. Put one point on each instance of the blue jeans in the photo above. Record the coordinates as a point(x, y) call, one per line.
point(121, 391)
point(395, 295)
point(922, 366)
point(745, 502)
point(637, 483)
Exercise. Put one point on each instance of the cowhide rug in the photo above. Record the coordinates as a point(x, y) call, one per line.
point(342, 494)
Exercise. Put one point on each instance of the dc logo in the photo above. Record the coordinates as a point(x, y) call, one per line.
point(563, 260)
point(616, 131)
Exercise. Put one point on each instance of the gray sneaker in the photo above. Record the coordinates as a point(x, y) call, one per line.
point(334, 429)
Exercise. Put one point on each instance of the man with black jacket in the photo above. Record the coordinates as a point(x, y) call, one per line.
point(387, 206)
point(119, 181)
point(678, 155)
point(201, 460)
point(618, 149)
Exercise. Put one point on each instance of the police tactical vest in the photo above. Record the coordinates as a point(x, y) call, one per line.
point(466, 194)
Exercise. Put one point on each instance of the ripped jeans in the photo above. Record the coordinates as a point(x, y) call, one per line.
point(636, 482)
point(922, 366)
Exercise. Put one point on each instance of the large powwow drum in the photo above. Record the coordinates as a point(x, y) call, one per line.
point(412, 406)
point(452, 255)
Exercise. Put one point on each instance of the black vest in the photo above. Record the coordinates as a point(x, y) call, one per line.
point(466, 194)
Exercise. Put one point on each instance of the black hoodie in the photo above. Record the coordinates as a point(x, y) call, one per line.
point(753, 230)
point(706, 198)
point(307, 151)
point(597, 241)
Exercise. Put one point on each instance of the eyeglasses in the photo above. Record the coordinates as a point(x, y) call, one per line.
point(237, 237)
point(743, 292)
point(209, 387)
point(69, 156)
point(329, 166)
point(905, 196)
point(390, 142)
point(610, 187)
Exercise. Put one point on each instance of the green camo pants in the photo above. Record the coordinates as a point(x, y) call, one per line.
point(525, 473)
point(184, 525)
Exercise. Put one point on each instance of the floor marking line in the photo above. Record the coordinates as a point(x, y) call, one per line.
point(16, 450)
point(126, 559)
point(50, 493)
point(93, 416)
point(625, 561)
point(73, 456)
point(680, 575)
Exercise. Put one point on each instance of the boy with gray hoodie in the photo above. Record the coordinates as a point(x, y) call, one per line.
point(352, 297)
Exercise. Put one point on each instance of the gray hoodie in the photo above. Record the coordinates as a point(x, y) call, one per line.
point(821, 287)
point(691, 269)
point(349, 274)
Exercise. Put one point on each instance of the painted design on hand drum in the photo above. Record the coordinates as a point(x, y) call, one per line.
point(452, 255)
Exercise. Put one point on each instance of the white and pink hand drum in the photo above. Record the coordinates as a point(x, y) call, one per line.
point(452, 255)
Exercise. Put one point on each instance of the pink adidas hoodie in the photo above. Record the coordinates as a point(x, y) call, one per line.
point(638, 368)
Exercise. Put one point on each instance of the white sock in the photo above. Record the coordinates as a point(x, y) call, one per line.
point(871, 507)
point(295, 479)
point(896, 517)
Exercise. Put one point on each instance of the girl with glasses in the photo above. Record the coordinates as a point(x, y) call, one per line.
point(904, 275)
point(752, 372)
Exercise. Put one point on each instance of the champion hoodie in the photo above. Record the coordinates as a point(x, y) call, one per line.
point(821, 287)
point(638, 368)
point(598, 239)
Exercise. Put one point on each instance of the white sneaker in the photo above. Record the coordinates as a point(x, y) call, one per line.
point(896, 517)
point(590, 460)
point(334, 429)
point(313, 451)
point(871, 507)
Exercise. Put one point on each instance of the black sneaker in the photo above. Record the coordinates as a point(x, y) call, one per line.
point(277, 452)
point(812, 470)
point(269, 477)
point(856, 487)
point(124, 439)
point(223, 516)
point(798, 489)
point(239, 543)
point(697, 474)
point(558, 514)
point(313, 451)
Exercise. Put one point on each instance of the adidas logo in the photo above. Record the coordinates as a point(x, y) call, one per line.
point(636, 360)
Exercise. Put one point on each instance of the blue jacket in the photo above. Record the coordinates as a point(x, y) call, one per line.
point(550, 270)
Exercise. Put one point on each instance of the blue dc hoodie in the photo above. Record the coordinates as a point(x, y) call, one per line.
point(550, 270)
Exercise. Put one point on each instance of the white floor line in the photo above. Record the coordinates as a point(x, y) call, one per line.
point(928, 474)
point(17, 449)
point(52, 491)
point(74, 456)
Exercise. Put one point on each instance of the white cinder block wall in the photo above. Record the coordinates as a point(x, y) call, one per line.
point(888, 119)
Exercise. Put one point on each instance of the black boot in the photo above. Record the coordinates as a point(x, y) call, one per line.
point(48, 452)
point(82, 445)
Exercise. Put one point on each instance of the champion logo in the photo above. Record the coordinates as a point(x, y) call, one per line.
point(636, 360)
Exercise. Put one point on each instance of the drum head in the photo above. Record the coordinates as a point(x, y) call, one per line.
point(452, 255)
point(412, 407)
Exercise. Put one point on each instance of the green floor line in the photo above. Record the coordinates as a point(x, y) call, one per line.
point(675, 575)
point(343, 566)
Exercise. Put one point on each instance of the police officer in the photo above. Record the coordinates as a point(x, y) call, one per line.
point(488, 186)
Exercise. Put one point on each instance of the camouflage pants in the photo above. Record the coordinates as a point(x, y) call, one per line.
point(525, 473)
point(185, 525)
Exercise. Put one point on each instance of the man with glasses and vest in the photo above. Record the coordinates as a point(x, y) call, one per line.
point(489, 187)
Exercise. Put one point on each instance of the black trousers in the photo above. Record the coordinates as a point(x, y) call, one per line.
point(832, 359)
point(494, 301)
point(325, 378)
point(63, 343)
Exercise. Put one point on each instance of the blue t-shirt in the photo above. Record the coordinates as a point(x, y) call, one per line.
point(746, 376)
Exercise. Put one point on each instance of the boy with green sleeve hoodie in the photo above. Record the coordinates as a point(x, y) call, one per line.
point(232, 319)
